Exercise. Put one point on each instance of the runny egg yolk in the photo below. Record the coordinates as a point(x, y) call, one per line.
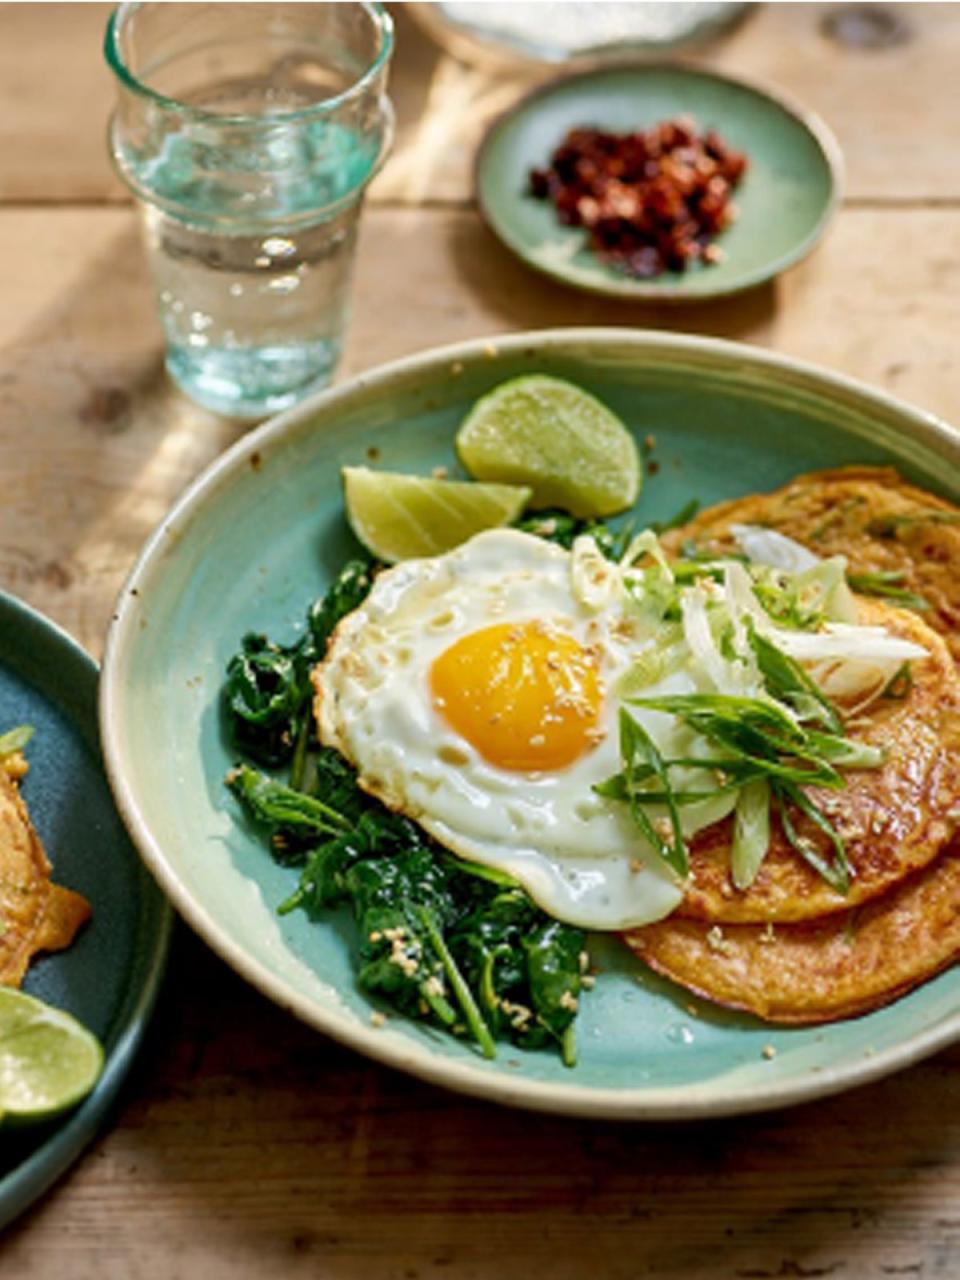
point(525, 696)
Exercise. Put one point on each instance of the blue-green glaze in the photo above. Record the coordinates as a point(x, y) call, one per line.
point(262, 532)
point(785, 199)
point(109, 977)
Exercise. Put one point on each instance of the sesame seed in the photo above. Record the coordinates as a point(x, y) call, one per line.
point(377, 1019)
point(715, 939)
point(769, 1052)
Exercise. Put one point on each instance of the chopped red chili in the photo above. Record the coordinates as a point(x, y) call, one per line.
point(650, 201)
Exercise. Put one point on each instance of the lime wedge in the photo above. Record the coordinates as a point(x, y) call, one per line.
point(48, 1061)
point(558, 439)
point(401, 517)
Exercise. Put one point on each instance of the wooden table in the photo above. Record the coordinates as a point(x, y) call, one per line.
point(245, 1145)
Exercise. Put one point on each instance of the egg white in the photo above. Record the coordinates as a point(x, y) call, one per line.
point(580, 856)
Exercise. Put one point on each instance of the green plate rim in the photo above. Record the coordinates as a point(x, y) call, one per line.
point(431, 1064)
point(63, 1144)
point(625, 288)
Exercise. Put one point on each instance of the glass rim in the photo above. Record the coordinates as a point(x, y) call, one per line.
point(382, 22)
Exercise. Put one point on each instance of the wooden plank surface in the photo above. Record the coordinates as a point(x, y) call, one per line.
point(245, 1145)
point(294, 1158)
point(889, 106)
point(91, 424)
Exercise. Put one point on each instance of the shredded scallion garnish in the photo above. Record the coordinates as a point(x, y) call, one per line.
point(768, 749)
point(888, 585)
point(887, 526)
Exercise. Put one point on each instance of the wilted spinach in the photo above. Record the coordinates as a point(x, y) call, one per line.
point(267, 690)
point(440, 939)
point(458, 945)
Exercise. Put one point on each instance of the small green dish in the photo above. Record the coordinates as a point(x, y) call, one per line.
point(785, 200)
point(261, 534)
point(110, 976)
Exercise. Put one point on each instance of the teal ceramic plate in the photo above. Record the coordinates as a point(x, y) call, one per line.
point(786, 198)
point(260, 535)
point(110, 976)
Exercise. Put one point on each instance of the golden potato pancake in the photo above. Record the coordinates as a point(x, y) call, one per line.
point(868, 514)
point(893, 819)
point(791, 949)
point(35, 914)
point(838, 967)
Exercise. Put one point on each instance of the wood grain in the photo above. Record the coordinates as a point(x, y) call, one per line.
point(249, 1146)
point(92, 428)
point(245, 1145)
point(888, 106)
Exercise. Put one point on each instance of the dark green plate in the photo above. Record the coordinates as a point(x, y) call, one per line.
point(110, 976)
point(791, 188)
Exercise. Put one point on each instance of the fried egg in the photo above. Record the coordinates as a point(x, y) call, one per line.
point(476, 692)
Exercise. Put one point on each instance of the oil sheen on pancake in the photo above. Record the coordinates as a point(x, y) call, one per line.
point(35, 914)
point(838, 967)
point(868, 514)
point(893, 819)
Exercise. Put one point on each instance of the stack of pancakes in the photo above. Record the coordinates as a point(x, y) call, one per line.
point(790, 948)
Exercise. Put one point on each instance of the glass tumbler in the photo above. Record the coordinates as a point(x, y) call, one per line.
point(248, 134)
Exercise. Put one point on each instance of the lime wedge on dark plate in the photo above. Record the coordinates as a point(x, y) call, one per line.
point(108, 979)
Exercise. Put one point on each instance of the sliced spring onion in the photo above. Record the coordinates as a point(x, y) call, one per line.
point(888, 585)
point(722, 673)
point(595, 580)
point(751, 832)
point(654, 663)
point(787, 681)
point(846, 752)
point(836, 873)
point(887, 526)
point(640, 753)
point(823, 591)
point(899, 684)
point(645, 543)
point(680, 517)
point(838, 640)
point(15, 739)
point(767, 546)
